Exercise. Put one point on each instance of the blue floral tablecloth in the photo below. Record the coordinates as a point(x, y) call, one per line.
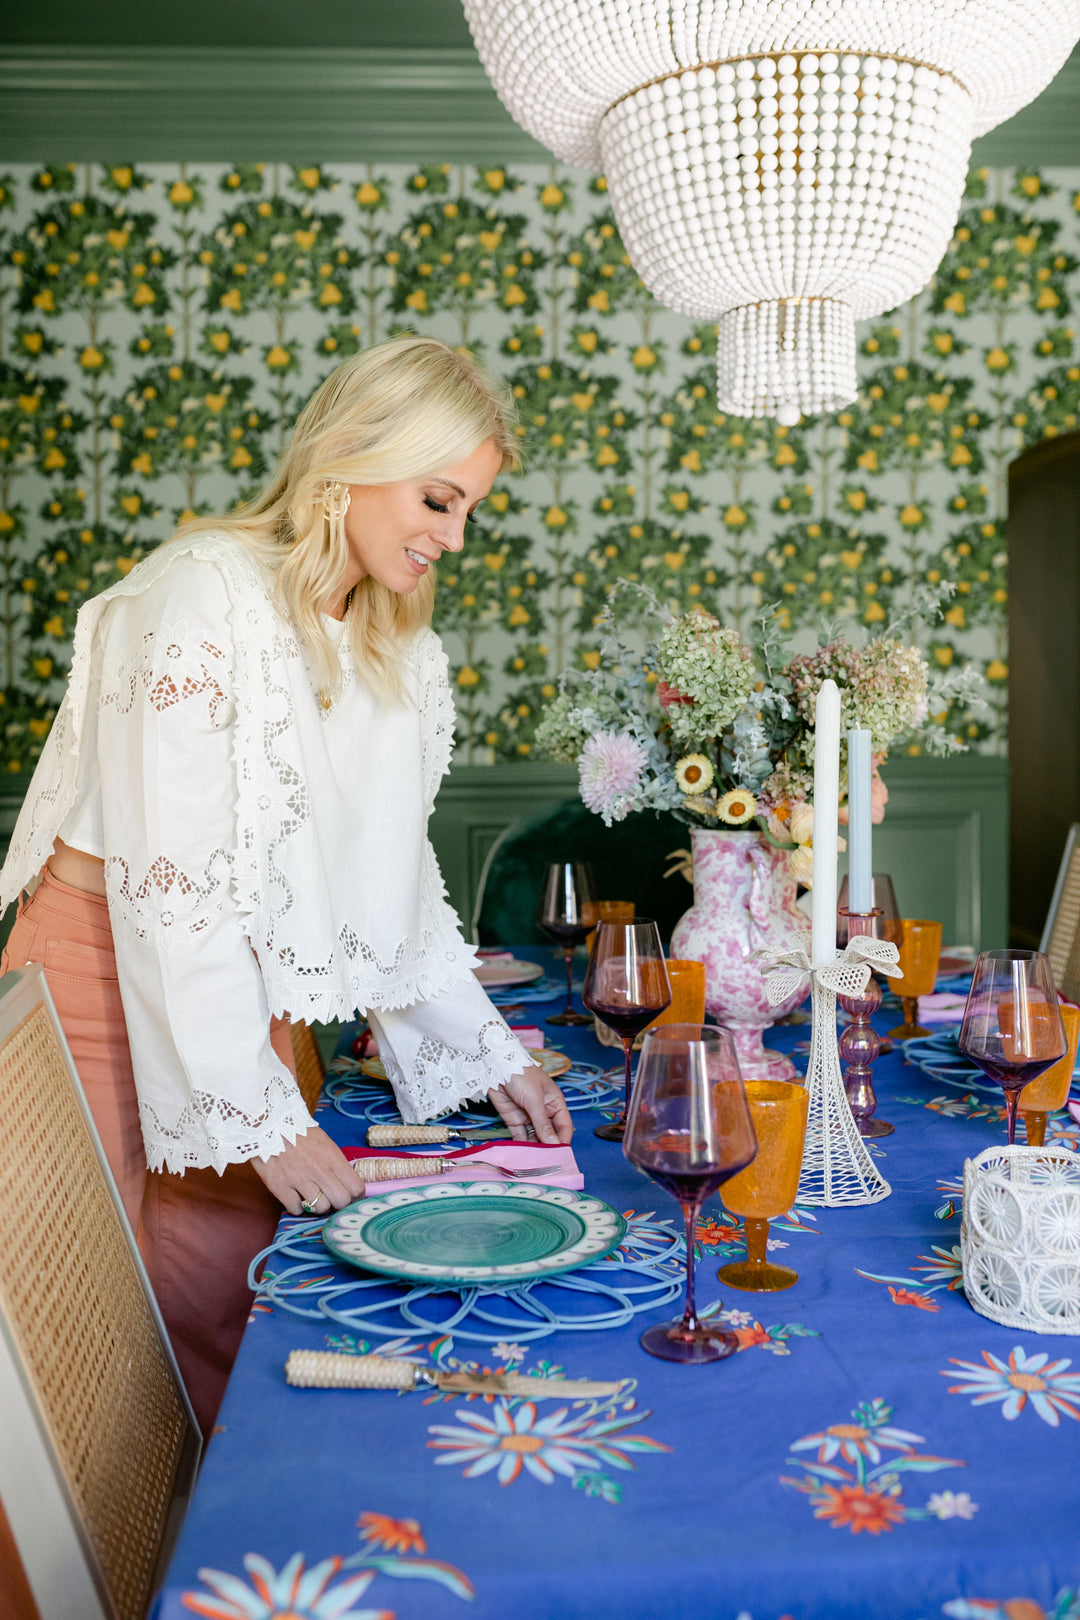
point(875, 1449)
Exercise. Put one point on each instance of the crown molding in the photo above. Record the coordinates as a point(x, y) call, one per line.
point(377, 104)
point(215, 104)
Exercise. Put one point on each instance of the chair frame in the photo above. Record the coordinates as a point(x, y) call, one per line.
point(61, 1565)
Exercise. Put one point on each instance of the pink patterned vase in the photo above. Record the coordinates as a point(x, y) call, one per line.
point(744, 898)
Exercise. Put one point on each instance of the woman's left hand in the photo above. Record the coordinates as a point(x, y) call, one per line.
point(532, 1098)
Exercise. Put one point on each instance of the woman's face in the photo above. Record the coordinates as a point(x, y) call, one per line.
point(396, 531)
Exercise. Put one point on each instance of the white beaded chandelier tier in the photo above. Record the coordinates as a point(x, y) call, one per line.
point(783, 167)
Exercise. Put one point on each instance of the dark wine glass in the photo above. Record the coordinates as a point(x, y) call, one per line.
point(626, 986)
point(1012, 1025)
point(566, 913)
point(690, 1130)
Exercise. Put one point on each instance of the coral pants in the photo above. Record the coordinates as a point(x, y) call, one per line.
point(196, 1232)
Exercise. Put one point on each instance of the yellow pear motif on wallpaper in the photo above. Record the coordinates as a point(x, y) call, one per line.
point(719, 499)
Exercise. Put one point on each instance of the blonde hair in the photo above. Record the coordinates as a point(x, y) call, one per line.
point(403, 409)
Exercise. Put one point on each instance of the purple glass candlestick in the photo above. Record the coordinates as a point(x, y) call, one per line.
point(859, 1042)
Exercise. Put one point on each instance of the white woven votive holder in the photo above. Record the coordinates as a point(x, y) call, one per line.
point(1020, 1237)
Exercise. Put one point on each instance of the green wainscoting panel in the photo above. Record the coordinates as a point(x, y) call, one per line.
point(945, 844)
point(478, 802)
point(944, 840)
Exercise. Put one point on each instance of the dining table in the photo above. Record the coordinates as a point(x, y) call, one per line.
point(874, 1447)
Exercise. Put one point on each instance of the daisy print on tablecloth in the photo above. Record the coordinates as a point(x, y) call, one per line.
point(952, 1190)
point(752, 1335)
point(970, 1106)
point(854, 1479)
point(299, 1592)
point(1066, 1606)
point(720, 1234)
point(512, 1440)
point(942, 1269)
point(1022, 1380)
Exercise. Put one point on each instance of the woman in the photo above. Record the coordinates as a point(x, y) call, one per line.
point(231, 814)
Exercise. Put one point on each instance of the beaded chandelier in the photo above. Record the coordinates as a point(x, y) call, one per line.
point(782, 167)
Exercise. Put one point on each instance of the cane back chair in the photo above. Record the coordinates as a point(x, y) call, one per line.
point(100, 1442)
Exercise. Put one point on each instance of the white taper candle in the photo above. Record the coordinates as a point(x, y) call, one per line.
point(826, 806)
point(860, 834)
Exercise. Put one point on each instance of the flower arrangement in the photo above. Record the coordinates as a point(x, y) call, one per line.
point(684, 715)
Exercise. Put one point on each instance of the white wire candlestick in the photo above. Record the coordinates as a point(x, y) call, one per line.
point(837, 1169)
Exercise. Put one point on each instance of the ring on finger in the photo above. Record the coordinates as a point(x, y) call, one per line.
point(310, 1205)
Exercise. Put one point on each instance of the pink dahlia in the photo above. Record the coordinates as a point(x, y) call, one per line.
point(609, 770)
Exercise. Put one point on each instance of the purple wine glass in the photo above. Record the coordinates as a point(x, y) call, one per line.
point(565, 915)
point(1012, 1025)
point(626, 986)
point(690, 1129)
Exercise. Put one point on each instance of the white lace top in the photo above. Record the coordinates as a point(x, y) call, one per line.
point(262, 855)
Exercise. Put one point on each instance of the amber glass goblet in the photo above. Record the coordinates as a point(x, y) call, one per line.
point(626, 986)
point(598, 911)
point(1012, 1024)
point(767, 1187)
point(689, 1128)
point(687, 980)
point(1048, 1093)
point(920, 948)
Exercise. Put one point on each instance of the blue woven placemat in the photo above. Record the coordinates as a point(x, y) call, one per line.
point(356, 1095)
point(297, 1274)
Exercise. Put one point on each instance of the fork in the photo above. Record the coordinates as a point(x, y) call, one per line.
point(515, 1175)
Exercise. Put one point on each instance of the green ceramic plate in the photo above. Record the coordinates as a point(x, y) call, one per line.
point(472, 1232)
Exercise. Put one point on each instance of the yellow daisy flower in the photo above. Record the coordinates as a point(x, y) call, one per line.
point(736, 807)
point(694, 773)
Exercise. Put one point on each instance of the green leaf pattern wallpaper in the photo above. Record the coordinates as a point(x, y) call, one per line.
point(160, 326)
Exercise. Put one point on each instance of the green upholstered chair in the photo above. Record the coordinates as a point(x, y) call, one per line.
point(628, 861)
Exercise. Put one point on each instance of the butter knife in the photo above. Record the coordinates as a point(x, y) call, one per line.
point(415, 1135)
point(324, 1369)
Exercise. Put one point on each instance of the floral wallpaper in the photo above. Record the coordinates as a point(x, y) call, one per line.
point(161, 325)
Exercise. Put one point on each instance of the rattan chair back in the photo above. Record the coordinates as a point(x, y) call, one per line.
point(1061, 936)
point(310, 1072)
point(100, 1442)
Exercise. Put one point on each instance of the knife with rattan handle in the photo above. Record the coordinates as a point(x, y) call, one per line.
point(417, 1135)
point(324, 1369)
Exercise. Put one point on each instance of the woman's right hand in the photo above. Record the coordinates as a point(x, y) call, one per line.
point(312, 1169)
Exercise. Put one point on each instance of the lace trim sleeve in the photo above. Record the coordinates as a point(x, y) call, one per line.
point(443, 1052)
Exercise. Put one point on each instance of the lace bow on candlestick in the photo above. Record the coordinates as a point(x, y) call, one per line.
point(837, 1168)
point(847, 976)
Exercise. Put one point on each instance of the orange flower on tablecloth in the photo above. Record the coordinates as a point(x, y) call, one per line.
point(751, 1336)
point(857, 1509)
point(904, 1296)
point(393, 1535)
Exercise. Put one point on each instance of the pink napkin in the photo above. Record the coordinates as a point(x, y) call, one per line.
point(943, 1007)
point(515, 1155)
